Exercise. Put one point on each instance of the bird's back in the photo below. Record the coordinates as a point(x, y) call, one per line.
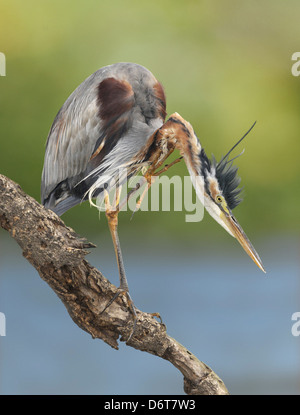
point(100, 128)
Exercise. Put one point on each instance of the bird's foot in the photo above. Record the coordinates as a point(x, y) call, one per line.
point(158, 316)
point(120, 291)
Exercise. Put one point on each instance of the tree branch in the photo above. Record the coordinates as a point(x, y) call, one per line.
point(58, 254)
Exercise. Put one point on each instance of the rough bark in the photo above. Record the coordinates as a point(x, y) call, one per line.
point(58, 254)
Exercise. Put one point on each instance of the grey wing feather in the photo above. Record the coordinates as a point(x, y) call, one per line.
point(72, 137)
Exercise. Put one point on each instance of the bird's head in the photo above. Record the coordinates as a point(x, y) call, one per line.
point(221, 196)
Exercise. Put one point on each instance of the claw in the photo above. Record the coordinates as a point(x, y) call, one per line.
point(117, 294)
point(131, 307)
point(139, 202)
point(157, 315)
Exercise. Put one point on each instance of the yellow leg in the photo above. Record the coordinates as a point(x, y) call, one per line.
point(112, 218)
point(150, 177)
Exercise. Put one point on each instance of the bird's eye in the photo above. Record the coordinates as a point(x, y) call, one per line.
point(220, 199)
point(222, 202)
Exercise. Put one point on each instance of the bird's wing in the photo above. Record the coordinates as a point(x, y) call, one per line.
point(97, 109)
point(103, 124)
point(70, 144)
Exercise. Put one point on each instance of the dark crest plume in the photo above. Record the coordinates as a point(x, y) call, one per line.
point(226, 173)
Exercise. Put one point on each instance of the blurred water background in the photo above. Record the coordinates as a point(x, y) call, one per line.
point(223, 65)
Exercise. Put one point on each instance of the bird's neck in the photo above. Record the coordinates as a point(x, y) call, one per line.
point(190, 148)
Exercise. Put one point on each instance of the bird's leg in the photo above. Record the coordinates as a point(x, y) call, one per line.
point(112, 218)
point(158, 157)
point(150, 177)
point(139, 202)
point(167, 166)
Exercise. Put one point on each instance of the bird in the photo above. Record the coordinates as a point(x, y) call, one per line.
point(115, 120)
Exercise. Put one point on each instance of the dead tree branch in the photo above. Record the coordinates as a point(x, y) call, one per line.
point(58, 254)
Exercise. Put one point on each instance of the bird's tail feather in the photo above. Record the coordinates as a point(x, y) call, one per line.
point(63, 205)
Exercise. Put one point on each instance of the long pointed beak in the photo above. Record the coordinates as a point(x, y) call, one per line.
point(237, 231)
